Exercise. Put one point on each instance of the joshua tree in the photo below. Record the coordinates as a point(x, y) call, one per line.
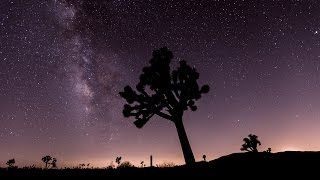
point(251, 143)
point(10, 163)
point(54, 163)
point(46, 159)
point(166, 94)
point(142, 164)
point(118, 160)
point(268, 150)
point(204, 157)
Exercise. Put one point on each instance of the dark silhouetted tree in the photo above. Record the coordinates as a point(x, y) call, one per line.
point(46, 159)
point(251, 143)
point(53, 163)
point(166, 94)
point(268, 150)
point(11, 163)
point(204, 157)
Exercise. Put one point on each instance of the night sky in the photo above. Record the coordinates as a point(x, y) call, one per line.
point(63, 63)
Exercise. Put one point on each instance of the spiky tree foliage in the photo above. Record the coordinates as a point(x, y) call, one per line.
point(268, 150)
point(251, 143)
point(166, 94)
point(11, 162)
point(46, 160)
point(53, 163)
point(118, 160)
point(142, 164)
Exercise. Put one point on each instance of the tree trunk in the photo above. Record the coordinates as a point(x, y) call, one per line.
point(185, 145)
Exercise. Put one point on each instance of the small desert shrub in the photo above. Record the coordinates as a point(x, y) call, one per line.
point(166, 164)
point(111, 166)
point(125, 164)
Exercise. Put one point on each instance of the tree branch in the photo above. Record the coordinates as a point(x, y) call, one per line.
point(175, 91)
point(171, 98)
point(164, 115)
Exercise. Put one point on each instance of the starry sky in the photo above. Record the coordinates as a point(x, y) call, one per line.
point(63, 63)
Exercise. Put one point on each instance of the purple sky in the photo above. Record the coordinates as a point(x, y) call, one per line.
point(63, 62)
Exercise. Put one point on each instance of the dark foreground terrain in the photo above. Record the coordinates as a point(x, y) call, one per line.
point(305, 165)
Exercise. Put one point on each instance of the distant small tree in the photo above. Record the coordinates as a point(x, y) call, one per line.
point(54, 163)
point(142, 164)
point(11, 163)
point(251, 143)
point(118, 160)
point(204, 157)
point(46, 160)
point(268, 150)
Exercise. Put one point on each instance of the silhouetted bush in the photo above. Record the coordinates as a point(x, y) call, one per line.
point(32, 167)
point(125, 164)
point(110, 166)
point(11, 163)
point(166, 165)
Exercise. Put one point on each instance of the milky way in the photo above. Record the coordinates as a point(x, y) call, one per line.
point(63, 62)
point(93, 75)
